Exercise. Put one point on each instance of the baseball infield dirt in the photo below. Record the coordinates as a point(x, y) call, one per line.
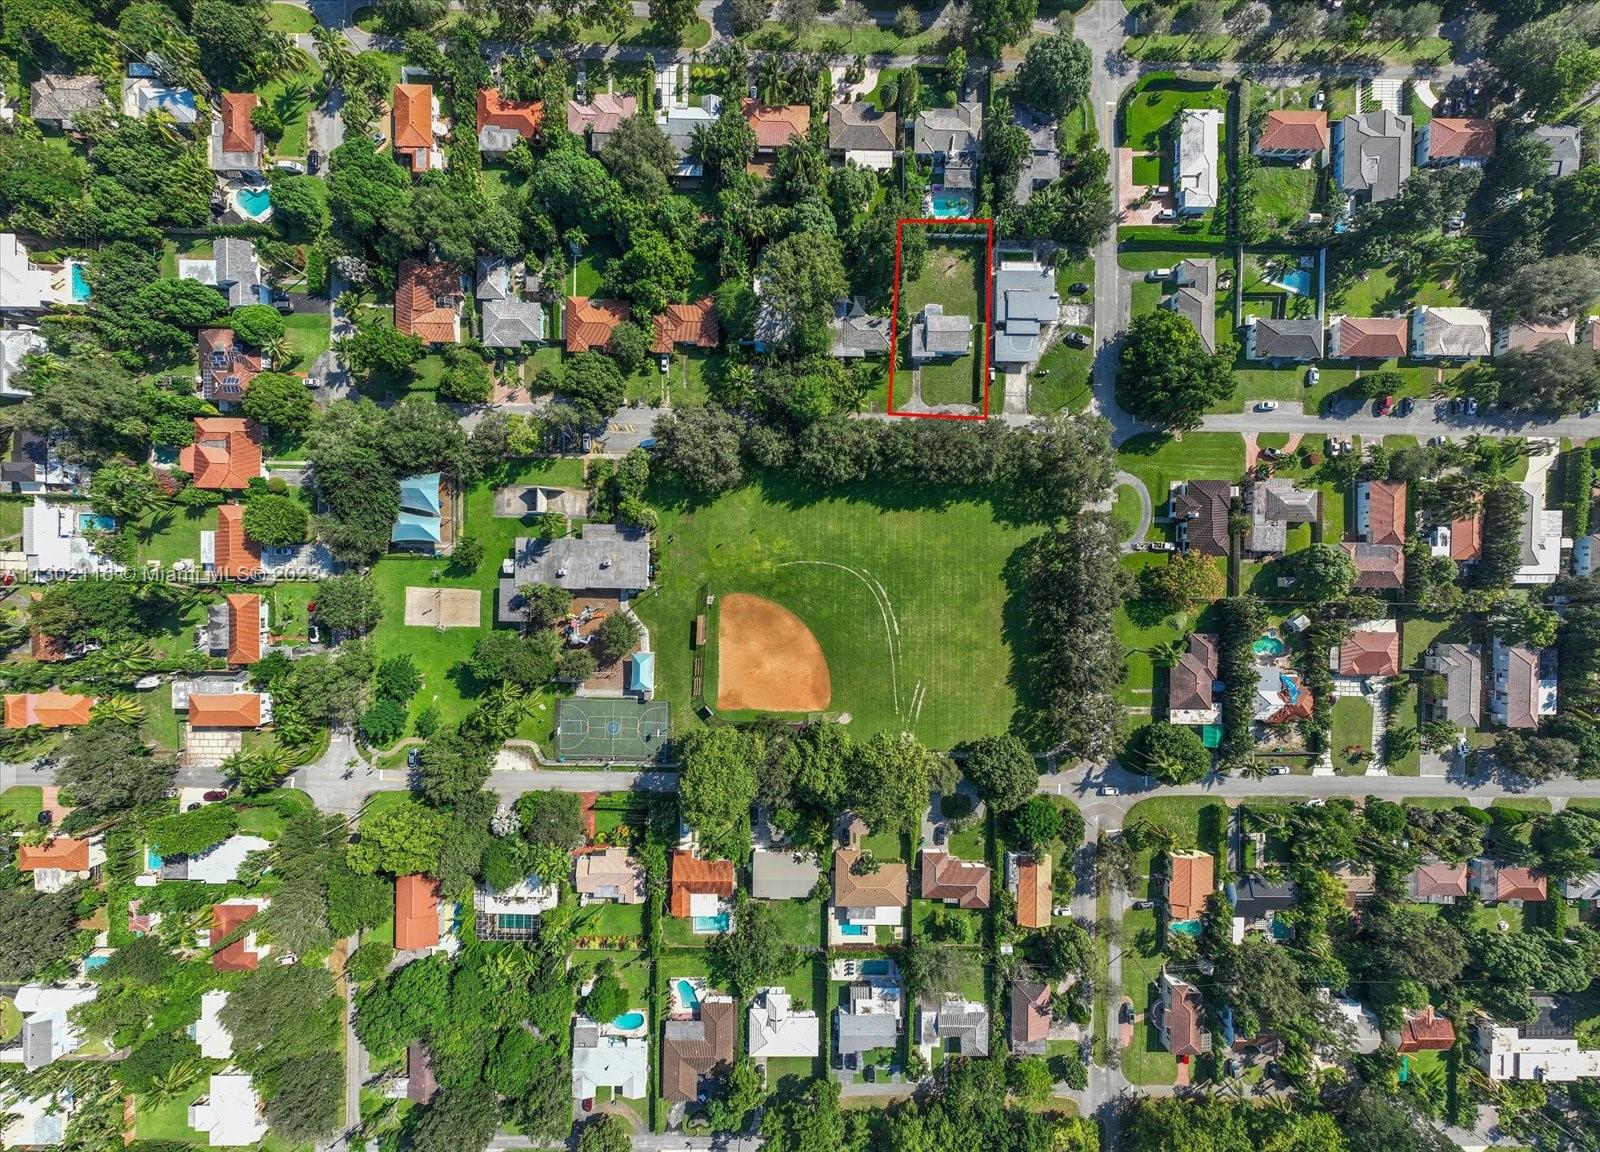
point(767, 659)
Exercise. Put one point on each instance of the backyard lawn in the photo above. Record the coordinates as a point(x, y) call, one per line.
point(909, 594)
point(310, 335)
point(953, 278)
point(1194, 822)
point(1159, 459)
point(1284, 194)
point(171, 534)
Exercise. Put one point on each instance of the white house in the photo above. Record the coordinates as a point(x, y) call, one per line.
point(1194, 160)
point(16, 343)
point(48, 1033)
point(55, 540)
point(602, 1060)
point(1541, 540)
point(230, 1112)
point(218, 866)
point(24, 285)
point(776, 1029)
point(36, 1121)
point(1546, 1052)
point(216, 1042)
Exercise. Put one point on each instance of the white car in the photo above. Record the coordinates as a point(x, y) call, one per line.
point(1313, 375)
point(1108, 790)
point(1279, 770)
point(1266, 405)
point(1156, 274)
point(294, 166)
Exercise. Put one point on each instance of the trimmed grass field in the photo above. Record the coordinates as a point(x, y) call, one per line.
point(1143, 1061)
point(940, 666)
point(1158, 459)
point(1352, 727)
point(23, 803)
point(1284, 194)
point(953, 278)
point(1154, 102)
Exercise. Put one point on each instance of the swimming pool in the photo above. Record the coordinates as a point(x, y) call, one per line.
point(96, 960)
point(80, 283)
point(89, 522)
point(1297, 281)
point(256, 203)
point(1269, 645)
point(152, 861)
point(950, 205)
point(688, 994)
point(877, 967)
point(1185, 928)
point(1279, 930)
point(711, 924)
point(628, 1021)
point(853, 930)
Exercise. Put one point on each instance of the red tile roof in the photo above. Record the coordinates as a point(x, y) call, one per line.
point(692, 876)
point(1425, 1031)
point(1373, 337)
point(426, 301)
point(238, 956)
point(1386, 512)
point(52, 709)
point(1457, 137)
point(687, 324)
point(946, 878)
point(1378, 566)
point(775, 124)
point(1369, 653)
point(521, 116)
point(238, 133)
point(1033, 893)
point(244, 628)
point(226, 453)
point(588, 323)
point(1182, 1023)
point(413, 121)
point(416, 911)
point(1466, 538)
point(234, 556)
point(63, 853)
point(604, 113)
point(1193, 879)
point(1440, 879)
point(1515, 882)
point(1290, 130)
point(1030, 1012)
point(225, 710)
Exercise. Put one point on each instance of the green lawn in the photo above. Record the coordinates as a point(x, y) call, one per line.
point(1283, 194)
point(799, 923)
point(1144, 1061)
point(1352, 727)
point(291, 97)
point(610, 920)
point(10, 1019)
point(632, 968)
point(171, 534)
point(23, 803)
point(290, 18)
point(1159, 459)
point(954, 278)
point(310, 335)
point(1194, 822)
point(945, 566)
point(1061, 381)
point(1154, 102)
point(170, 1121)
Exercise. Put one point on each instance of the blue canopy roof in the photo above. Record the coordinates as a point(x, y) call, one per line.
point(421, 494)
point(412, 528)
point(642, 672)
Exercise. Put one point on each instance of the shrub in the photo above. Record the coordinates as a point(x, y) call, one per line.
point(370, 961)
point(256, 324)
point(383, 723)
point(275, 520)
point(152, 1058)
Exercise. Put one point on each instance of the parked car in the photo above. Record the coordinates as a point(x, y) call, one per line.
point(1166, 216)
point(588, 442)
point(1156, 274)
point(313, 162)
point(1125, 1012)
point(1108, 790)
point(1383, 405)
point(1266, 405)
point(1161, 190)
point(280, 300)
point(666, 363)
point(1407, 405)
point(1162, 546)
point(1077, 339)
point(1061, 910)
point(1079, 289)
point(1313, 376)
point(294, 166)
point(1141, 905)
point(1278, 770)
point(1270, 453)
point(215, 795)
point(1472, 406)
point(413, 757)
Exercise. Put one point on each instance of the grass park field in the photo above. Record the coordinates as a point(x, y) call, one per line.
point(912, 599)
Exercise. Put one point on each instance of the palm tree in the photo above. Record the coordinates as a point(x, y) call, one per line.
point(386, 1119)
point(281, 57)
point(122, 709)
point(769, 76)
point(281, 352)
point(174, 1082)
point(128, 660)
point(1167, 654)
point(333, 52)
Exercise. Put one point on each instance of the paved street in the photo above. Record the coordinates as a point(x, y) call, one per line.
point(1429, 418)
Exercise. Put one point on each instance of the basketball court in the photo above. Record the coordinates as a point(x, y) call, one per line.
point(611, 728)
point(428, 607)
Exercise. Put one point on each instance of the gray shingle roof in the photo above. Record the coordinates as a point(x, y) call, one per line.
point(948, 131)
point(936, 334)
point(60, 98)
point(512, 323)
point(1025, 301)
point(1287, 339)
point(238, 271)
point(605, 558)
point(1374, 153)
point(1462, 670)
point(782, 875)
point(861, 128)
point(494, 278)
point(1563, 140)
point(1196, 298)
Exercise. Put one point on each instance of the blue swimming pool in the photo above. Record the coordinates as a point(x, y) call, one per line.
point(1297, 281)
point(89, 522)
point(628, 1021)
point(853, 930)
point(687, 994)
point(710, 924)
point(877, 967)
point(152, 861)
point(1268, 646)
point(90, 963)
point(951, 205)
point(80, 284)
point(1280, 930)
point(1185, 928)
point(254, 202)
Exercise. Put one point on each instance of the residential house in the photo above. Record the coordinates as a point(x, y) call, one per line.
point(607, 558)
point(781, 874)
point(38, 465)
point(16, 344)
point(610, 876)
point(227, 553)
point(1541, 540)
point(507, 318)
point(1266, 338)
point(26, 287)
point(936, 336)
point(777, 1030)
point(1449, 333)
point(61, 861)
point(692, 325)
point(859, 134)
point(1041, 167)
point(49, 709)
point(1274, 505)
point(1194, 160)
point(34, 1121)
point(856, 334)
point(226, 453)
point(1372, 155)
point(415, 127)
point(236, 144)
point(588, 323)
point(953, 1024)
point(868, 1018)
point(1524, 686)
point(865, 901)
point(233, 269)
point(601, 116)
point(1379, 567)
point(218, 865)
point(143, 95)
point(682, 119)
point(1281, 696)
point(512, 913)
point(1544, 1050)
point(1293, 134)
point(48, 1030)
point(1026, 306)
point(1256, 904)
point(1199, 510)
point(694, 1051)
point(1424, 1030)
point(421, 1084)
point(1524, 335)
point(1381, 511)
point(1585, 887)
point(227, 366)
point(420, 525)
point(229, 709)
point(57, 540)
point(1563, 140)
point(1192, 684)
point(235, 628)
point(236, 949)
point(964, 883)
point(1195, 298)
point(427, 301)
point(230, 1112)
point(1030, 879)
point(1371, 649)
point(1191, 879)
point(416, 912)
point(601, 1059)
point(947, 138)
point(1178, 1014)
point(700, 889)
point(1455, 142)
point(1031, 1017)
point(502, 122)
point(59, 101)
point(1495, 882)
point(1368, 337)
point(1437, 882)
point(1460, 540)
point(774, 125)
point(1363, 1034)
point(1358, 883)
point(773, 326)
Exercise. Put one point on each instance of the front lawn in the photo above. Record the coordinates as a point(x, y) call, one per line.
point(1154, 102)
point(310, 335)
point(1061, 380)
point(1144, 1061)
point(23, 803)
point(1352, 729)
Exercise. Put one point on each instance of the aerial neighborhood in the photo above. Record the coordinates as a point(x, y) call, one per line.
point(799, 575)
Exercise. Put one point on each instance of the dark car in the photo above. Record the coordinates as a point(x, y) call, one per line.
point(1407, 405)
point(414, 758)
point(1076, 339)
point(1078, 289)
point(281, 300)
point(215, 795)
point(313, 162)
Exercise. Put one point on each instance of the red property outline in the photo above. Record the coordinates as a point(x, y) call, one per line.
point(988, 324)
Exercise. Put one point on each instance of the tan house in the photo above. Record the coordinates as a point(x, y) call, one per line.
point(611, 876)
